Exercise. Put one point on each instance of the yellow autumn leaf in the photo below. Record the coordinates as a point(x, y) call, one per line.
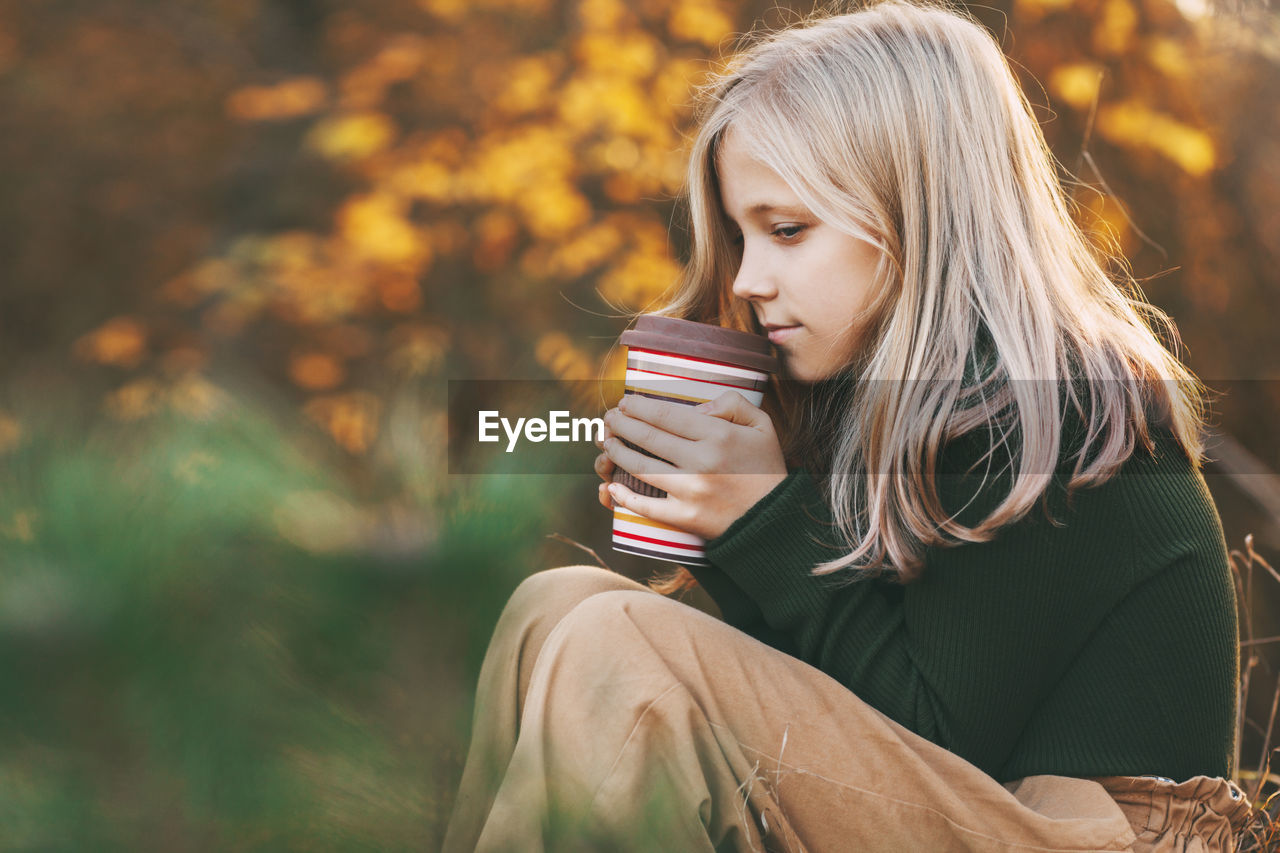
point(648, 234)
point(316, 371)
point(556, 352)
point(322, 294)
point(402, 57)
point(212, 275)
point(1039, 7)
point(398, 291)
point(1077, 83)
point(121, 342)
point(297, 96)
point(1132, 124)
point(1114, 31)
point(699, 21)
point(613, 102)
point(631, 54)
point(674, 84)
point(375, 228)
point(672, 170)
point(350, 419)
point(639, 278)
point(601, 14)
point(1169, 57)
point(619, 154)
point(529, 82)
point(585, 250)
point(552, 209)
point(448, 10)
point(503, 165)
point(352, 136)
point(298, 251)
point(364, 87)
point(496, 234)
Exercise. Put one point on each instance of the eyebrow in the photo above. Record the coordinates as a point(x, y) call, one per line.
point(766, 207)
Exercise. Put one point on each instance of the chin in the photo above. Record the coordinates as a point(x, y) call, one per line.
point(799, 373)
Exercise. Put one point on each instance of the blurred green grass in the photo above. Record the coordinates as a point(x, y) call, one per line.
point(225, 634)
point(210, 640)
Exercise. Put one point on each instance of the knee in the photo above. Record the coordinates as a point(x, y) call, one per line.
point(612, 617)
point(540, 583)
point(554, 592)
point(611, 649)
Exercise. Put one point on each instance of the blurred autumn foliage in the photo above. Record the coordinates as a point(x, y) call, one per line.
point(281, 225)
point(344, 198)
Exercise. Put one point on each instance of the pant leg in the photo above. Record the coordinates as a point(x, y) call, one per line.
point(1203, 813)
point(533, 610)
point(638, 703)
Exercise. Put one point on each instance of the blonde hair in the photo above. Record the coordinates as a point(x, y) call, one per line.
point(901, 123)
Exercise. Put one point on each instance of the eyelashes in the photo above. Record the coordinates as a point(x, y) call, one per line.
point(784, 234)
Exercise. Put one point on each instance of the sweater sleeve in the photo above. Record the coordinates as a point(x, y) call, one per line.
point(737, 607)
point(961, 656)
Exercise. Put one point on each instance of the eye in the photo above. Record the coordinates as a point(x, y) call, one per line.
point(788, 232)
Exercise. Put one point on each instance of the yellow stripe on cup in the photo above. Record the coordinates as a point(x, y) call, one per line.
point(634, 389)
point(627, 515)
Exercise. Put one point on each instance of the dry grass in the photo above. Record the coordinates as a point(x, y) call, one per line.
point(1262, 833)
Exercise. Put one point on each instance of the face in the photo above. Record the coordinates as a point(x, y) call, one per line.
point(806, 281)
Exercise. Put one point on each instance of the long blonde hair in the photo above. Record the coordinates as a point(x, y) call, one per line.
point(901, 123)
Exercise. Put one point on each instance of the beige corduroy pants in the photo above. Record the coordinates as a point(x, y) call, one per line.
point(609, 717)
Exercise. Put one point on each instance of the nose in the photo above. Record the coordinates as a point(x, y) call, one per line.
point(753, 282)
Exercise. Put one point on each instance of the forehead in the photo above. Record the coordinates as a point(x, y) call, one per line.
point(748, 185)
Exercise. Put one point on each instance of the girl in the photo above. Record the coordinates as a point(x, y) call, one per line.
point(975, 594)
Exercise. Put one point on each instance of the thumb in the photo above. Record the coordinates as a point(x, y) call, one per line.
point(733, 407)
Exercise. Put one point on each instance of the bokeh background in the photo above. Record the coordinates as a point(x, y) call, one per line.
point(244, 245)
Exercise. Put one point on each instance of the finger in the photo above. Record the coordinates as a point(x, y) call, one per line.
point(605, 434)
point(676, 418)
point(655, 472)
point(733, 407)
point(604, 467)
point(603, 494)
point(662, 510)
point(677, 450)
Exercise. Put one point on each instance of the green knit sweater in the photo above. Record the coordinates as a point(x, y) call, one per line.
point(1106, 646)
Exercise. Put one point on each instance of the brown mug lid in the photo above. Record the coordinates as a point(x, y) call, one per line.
point(701, 340)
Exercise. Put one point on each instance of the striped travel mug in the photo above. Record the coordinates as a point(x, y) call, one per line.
point(687, 363)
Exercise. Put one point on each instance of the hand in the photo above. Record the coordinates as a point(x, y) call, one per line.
point(721, 458)
point(604, 467)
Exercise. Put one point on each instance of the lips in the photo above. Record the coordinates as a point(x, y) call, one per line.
point(780, 334)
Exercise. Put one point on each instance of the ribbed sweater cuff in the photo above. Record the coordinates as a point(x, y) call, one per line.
point(736, 607)
point(761, 550)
